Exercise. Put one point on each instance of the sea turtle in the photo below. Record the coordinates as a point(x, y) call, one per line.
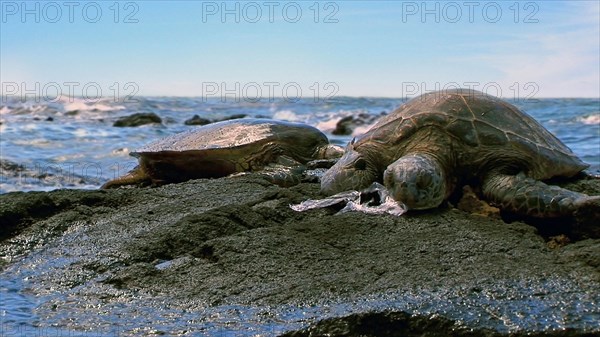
point(223, 148)
point(441, 140)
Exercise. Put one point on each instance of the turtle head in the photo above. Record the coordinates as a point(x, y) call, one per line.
point(417, 181)
point(353, 171)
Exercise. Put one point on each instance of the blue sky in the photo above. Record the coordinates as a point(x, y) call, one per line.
point(368, 48)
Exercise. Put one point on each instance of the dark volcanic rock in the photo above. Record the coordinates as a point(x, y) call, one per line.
point(346, 125)
point(402, 324)
point(47, 119)
point(21, 210)
point(138, 119)
point(235, 116)
point(388, 324)
point(197, 120)
point(226, 256)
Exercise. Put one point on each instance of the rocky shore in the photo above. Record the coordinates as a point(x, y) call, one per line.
point(228, 257)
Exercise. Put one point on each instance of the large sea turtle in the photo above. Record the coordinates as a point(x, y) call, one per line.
point(438, 141)
point(220, 149)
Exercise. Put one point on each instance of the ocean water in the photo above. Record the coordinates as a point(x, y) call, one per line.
point(71, 143)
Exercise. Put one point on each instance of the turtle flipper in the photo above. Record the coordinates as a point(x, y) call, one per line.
point(285, 172)
point(527, 196)
point(282, 175)
point(137, 176)
point(329, 151)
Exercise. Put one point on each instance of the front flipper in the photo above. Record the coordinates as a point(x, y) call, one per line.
point(285, 172)
point(137, 176)
point(526, 196)
point(283, 176)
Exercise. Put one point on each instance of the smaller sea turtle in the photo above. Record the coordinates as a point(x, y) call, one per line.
point(220, 149)
point(439, 141)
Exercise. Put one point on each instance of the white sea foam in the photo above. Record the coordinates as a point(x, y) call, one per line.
point(81, 133)
point(29, 127)
point(74, 103)
point(286, 115)
point(121, 151)
point(328, 125)
point(327, 122)
point(5, 110)
point(590, 120)
point(26, 109)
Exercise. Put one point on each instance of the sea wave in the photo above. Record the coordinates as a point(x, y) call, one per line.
point(590, 120)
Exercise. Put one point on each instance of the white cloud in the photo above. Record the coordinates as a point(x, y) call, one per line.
point(562, 59)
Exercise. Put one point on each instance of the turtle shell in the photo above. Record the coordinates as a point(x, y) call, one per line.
point(488, 131)
point(223, 148)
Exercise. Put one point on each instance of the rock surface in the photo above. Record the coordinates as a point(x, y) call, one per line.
point(348, 124)
point(197, 120)
point(228, 256)
point(138, 119)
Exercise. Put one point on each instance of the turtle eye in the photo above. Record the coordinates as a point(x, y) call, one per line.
point(360, 164)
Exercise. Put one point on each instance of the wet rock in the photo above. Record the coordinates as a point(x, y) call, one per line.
point(402, 324)
point(229, 253)
point(47, 119)
point(197, 120)
point(235, 116)
point(138, 119)
point(22, 209)
point(346, 125)
point(388, 324)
